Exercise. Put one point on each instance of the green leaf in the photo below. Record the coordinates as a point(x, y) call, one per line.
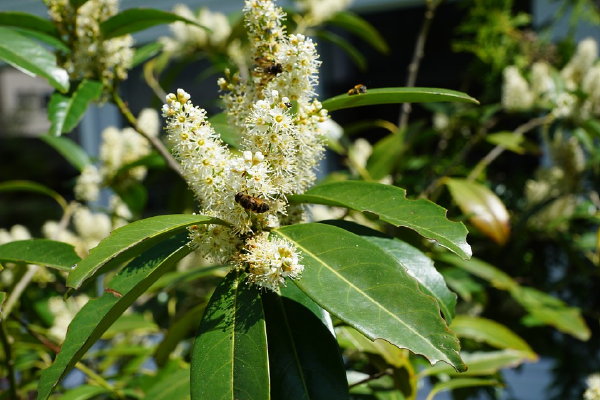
point(304, 358)
point(34, 187)
point(552, 311)
point(293, 293)
point(481, 269)
point(227, 131)
point(492, 333)
point(178, 330)
point(98, 315)
point(459, 384)
point(65, 111)
point(31, 58)
point(45, 252)
point(33, 26)
point(392, 206)
point(2, 300)
point(352, 52)
point(396, 95)
point(77, 3)
point(137, 19)
point(152, 160)
point(484, 209)
point(174, 386)
point(146, 52)
point(515, 143)
point(481, 363)
point(386, 156)
point(84, 392)
point(361, 28)
point(358, 283)
point(421, 268)
point(134, 194)
point(70, 150)
point(131, 240)
point(229, 357)
point(351, 338)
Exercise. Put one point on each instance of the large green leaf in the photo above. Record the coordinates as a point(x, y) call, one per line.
point(359, 283)
point(396, 95)
point(484, 209)
point(34, 187)
point(481, 363)
point(293, 293)
point(392, 206)
point(137, 19)
point(98, 315)
point(31, 58)
point(65, 111)
point(32, 26)
point(304, 358)
point(458, 384)
point(229, 357)
point(490, 332)
point(129, 241)
point(45, 252)
point(70, 150)
point(361, 28)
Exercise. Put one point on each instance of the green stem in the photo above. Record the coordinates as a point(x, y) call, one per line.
point(154, 141)
point(12, 381)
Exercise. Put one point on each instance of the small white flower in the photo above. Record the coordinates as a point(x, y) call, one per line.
point(593, 390)
point(516, 94)
point(87, 186)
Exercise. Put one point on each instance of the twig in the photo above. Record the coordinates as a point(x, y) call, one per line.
point(413, 67)
point(154, 141)
point(372, 377)
point(496, 151)
point(10, 363)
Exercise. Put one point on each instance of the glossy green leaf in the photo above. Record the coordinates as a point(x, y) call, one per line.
point(459, 384)
point(386, 156)
point(421, 268)
point(44, 252)
point(131, 240)
point(34, 187)
point(359, 284)
point(174, 386)
point(395, 95)
point(32, 26)
point(552, 311)
point(31, 58)
point(137, 19)
point(229, 357)
point(361, 28)
point(65, 111)
point(70, 150)
point(481, 363)
point(293, 293)
point(304, 359)
point(483, 207)
point(481, 269)
point(351, 338)
point(84, 392)
point(392, 206)
point(355, 55)
point(146, 52)
point(490, 332)
point(98, 315)
point(227, 131)
point(178, 330)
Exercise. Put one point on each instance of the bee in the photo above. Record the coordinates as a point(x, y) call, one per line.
point(251, 203)
point(357, 89)
point(288, 104)
point(268, 66)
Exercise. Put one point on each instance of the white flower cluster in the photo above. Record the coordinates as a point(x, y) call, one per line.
point(118, 148)
point(64, 310)
point(279, 123)
point(573, 92)
point(188, 38)
point(593, 390)
point(92, 57)
point(319, 11)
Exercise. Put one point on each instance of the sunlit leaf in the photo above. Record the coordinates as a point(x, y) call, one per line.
point(229, 357)
point(98, 314)
point(129, 241)
point(65, 112)
point(32, 26)
point(510, 141)
point(358, 283)
point(137, 19)
point(350, 337)
point(146, 52)
point(44, 252)
point(395, 95)
point(31, 58)
point(481, 363)
point(84, 392)
point(483, 207)
point(460, 383)
point(392, 206)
